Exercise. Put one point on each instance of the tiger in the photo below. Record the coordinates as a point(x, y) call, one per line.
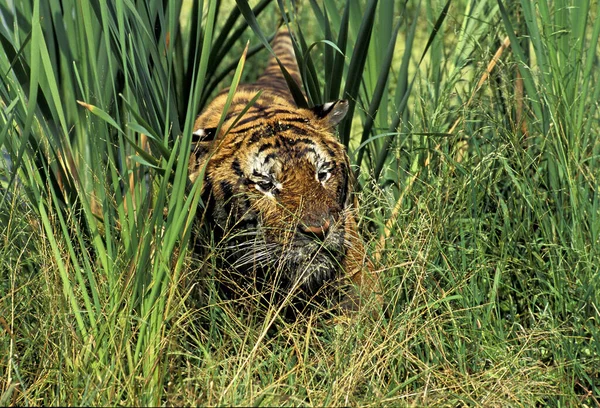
point(278, 192)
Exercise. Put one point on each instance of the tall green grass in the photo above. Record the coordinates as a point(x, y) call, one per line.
point(479, 202)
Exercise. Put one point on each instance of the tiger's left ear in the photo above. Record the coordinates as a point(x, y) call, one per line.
point(204, 134)
point(332, 112)
point(202, 142)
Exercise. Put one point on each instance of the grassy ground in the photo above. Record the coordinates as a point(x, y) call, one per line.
point(478, 187)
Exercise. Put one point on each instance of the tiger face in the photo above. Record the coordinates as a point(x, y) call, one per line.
point(277, 190)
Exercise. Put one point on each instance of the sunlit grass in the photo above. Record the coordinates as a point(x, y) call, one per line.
point(478, 199)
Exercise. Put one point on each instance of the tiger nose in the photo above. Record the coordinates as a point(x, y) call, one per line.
point(318, 230)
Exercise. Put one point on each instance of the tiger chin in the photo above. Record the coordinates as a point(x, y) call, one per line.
point(277, 194)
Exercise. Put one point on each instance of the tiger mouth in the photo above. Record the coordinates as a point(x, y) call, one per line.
point(264, 251)
point(312, 265)
point(305, 262)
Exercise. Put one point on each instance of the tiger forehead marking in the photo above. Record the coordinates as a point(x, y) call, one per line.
point(277, 184)
point(269, 156)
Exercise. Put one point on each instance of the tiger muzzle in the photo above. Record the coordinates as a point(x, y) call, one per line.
point(318, 230)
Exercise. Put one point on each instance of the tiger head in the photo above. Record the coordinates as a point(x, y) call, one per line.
point(276, 188)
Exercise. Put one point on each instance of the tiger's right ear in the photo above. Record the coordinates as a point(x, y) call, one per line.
point(332, 112)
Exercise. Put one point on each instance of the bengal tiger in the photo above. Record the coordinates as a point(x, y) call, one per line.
point(277, 191)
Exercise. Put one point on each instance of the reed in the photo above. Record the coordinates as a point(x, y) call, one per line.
point(473, 136)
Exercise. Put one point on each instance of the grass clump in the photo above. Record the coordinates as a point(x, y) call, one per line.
point(473, 139)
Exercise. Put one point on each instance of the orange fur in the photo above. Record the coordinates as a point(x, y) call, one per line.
point(281, 170)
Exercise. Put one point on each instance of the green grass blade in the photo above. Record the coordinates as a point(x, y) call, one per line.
point(334, 83)
point(525, 73)
point(378, 94)
point(356, 67)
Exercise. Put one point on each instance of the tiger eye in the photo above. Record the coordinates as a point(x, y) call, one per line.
point(265, 185)
point(324, 175)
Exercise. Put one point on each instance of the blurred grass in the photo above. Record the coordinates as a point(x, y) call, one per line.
point(486, 198)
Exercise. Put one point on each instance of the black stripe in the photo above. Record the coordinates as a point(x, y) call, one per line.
point(279, 111)
point(247, 224)
point(256, 136)
point(329, 149)
point(303, 152)
point(299, 131)
point(200, 150)
point(242, 130)
point(287, 58)
point(265, 147)
point(237, 169)
point(342, 191)
point(293, 142)
point(270, 156)
point(270, 131)
point(227, 190)
point(281, 127)
point(231, 115)
point(237, 145)
point(248, 119)
point(296, 120)
point(259, 108)
point(208, 196)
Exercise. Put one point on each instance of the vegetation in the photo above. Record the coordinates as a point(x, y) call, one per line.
point(474, 129)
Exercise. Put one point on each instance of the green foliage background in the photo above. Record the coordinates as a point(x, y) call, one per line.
point(474, 136)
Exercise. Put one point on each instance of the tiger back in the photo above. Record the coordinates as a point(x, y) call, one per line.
point(277, 190)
